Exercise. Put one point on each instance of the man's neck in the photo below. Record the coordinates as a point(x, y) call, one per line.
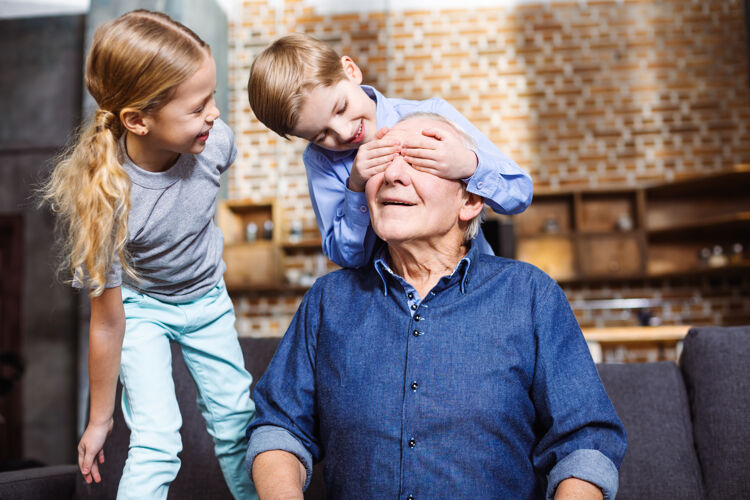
point(422, 264)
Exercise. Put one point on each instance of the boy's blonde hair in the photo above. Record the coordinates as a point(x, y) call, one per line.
point(136, 61)
point(282, 74)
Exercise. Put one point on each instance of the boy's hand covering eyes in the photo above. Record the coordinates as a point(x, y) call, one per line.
point(440, 153)
point(372, 158)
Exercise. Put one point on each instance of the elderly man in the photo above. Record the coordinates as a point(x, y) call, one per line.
point(436, 372)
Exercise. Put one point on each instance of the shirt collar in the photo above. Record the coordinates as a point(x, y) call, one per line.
point(460, 272)
point(385, 113)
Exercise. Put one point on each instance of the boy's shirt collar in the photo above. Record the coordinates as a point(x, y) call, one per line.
point(385, 113)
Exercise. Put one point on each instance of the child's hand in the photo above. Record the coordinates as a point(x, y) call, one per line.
point(90, 453)
point(371, 159)
point(440, 153)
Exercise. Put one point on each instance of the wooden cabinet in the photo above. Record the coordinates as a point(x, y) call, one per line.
point(700, 224)
point(251, 253)
point(263, 252)
point(695, 225)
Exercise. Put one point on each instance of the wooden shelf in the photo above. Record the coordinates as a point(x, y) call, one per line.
point(739, 221)
point(728, 269)
point(305, 244)
point(666, 333)
point(654, 231)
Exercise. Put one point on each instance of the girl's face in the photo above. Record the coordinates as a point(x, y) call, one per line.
point(338, 117)
point(182, 126)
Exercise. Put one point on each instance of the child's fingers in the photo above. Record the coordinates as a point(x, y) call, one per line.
point(373, 171)
point(434, 133)
point(423, 164)
point(85, 459)
point(379, 163)
point(380, 133)
point(101, 457)
point(422, 143)
point(428, 154)
point(95, 473)
point(382, 151)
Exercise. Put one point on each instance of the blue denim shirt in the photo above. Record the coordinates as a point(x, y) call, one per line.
point(343, 216)
point(482, 389)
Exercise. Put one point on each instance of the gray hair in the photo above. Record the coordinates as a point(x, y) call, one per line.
point(473, 228)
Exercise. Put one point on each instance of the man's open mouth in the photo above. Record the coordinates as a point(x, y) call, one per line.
point(398, 203)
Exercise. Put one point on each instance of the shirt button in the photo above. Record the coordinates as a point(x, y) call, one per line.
point(414, 385)
point(480, 185)
point(417, 317)
point(414, 307)
point(410, 497)
point(415, 333)
point(363, 209)
point(411, 295)
point(412, 443)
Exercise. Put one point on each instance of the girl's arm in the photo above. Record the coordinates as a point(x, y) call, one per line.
point(106, 332)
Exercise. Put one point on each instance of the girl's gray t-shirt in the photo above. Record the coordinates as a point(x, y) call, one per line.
point(174, 243)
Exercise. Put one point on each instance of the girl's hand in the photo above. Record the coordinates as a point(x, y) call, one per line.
point(441, 153)
point(371, 159)
point(90, 452)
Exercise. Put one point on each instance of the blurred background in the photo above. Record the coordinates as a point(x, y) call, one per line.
point(630, 115)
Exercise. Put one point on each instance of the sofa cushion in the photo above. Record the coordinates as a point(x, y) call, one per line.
point(651, 401)
point(716, 366)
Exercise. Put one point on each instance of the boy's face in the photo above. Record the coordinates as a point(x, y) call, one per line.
point(338, 117)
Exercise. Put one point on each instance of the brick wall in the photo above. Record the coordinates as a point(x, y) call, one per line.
point(585, 93)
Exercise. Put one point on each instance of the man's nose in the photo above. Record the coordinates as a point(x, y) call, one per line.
point(397, 171)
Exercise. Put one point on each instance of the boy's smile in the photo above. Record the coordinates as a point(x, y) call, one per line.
point(338, 117)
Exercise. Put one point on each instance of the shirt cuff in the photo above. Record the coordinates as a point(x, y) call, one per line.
point(590, 465)
point(271, 437)
point(355, 208)
point(483, 182)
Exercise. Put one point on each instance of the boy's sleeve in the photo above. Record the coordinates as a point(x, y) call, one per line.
point(505, 187)
point(582, 436)
point(285, 395)
point(343, 215)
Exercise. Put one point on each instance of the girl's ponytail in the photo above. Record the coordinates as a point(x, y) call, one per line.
point(135, 63)
point(90, 192)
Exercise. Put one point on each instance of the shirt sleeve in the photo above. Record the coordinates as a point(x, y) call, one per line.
point(343, 215)
point(285, 395)
point(227, 144)
point(505, 187)
point(582, 436)
point(113, 279)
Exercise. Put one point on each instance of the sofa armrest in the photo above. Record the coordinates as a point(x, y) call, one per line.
point(40, 483)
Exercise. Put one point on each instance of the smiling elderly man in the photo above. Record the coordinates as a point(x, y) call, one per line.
point(436, 372)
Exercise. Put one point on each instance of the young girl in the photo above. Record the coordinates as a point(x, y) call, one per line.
point(136, 198)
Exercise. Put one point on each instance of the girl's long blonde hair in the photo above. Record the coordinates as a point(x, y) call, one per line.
point(136, 61)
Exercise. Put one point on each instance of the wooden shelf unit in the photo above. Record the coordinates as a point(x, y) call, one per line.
point(652, 231)
point(260, 265)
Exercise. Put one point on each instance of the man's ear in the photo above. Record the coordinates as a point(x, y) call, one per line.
point(134, 121)
point(351, 70)
point(473, 204)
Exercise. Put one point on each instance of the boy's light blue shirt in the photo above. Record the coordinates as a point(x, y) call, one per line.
point(343, 216)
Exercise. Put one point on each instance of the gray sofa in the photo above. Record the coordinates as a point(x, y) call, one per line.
point(688, 429)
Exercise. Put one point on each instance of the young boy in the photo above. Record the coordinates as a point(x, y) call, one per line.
point(300, 86)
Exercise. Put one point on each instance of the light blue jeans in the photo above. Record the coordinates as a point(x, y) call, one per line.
point(205, 330)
